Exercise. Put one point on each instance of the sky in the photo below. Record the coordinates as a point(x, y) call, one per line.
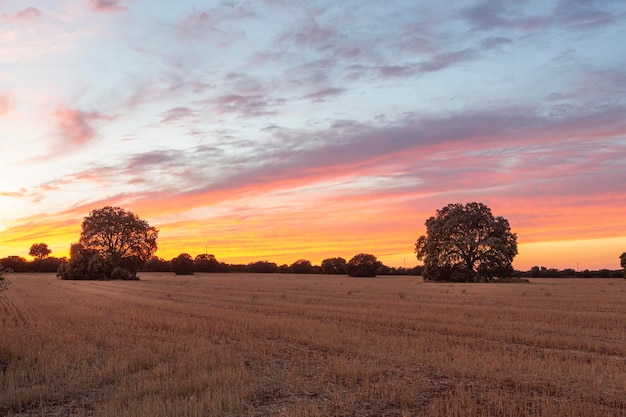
point(282, 130)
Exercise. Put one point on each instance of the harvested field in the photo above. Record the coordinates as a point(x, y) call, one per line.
point(311, 345)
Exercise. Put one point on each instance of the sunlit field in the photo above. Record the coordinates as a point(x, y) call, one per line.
point(311, 345)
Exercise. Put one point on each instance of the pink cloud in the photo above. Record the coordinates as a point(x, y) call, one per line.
point(30, 14)
point(214, 24)
point(5, 105)
point(75, 125)
point(107, 5)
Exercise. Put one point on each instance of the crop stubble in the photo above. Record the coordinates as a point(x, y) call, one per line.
point(311, 345)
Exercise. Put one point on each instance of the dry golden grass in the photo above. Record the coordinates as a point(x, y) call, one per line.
point(288, 345)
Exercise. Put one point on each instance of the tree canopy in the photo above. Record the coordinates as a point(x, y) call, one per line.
point(183, 264)
point(119, 234)
point(334, 266)
point(363, 265)
point(39, 251)
point(622, 259)
point(466, 243)
point(114, 243)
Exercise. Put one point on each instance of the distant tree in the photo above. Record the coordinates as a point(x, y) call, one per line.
point(156, 264)
point(622, 259)
point(39, 251)
point(183, 264)
point(466, 243)
point(334, 266)
point(206, 263)
point(14, 264)
point(49, 264)
point(262, 267)
point(301, 266)
point(363, 265)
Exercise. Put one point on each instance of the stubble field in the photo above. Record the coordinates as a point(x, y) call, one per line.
point(316, 345)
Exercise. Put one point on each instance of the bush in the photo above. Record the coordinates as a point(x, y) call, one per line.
point(88, 264)
point(183, 264)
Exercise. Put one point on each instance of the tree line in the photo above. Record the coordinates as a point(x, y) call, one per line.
point(463, 243)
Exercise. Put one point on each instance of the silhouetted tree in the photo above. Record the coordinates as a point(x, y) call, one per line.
point(301, 266)
point(622, 259)
point(156, 264)
point(14, 264)
point(49, 264)
point(363, 265)
point(120, 236)
point(121, 240)
point(334, 266)
point(183, 264)
point(262, 267)
point(206, 263)
point(39, 251)
point(466, 243)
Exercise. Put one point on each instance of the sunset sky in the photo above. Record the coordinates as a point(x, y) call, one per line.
point(279, 130)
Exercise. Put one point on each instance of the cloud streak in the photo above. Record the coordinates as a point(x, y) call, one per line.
point(76, 126)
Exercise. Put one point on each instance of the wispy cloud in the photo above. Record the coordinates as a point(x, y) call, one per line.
point(5, 104)
point(76, 126)
point(215, 24)
point(27, 15)
point(107, 5)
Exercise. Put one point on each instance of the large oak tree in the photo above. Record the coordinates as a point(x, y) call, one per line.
point(466, 243)
point(114, 243)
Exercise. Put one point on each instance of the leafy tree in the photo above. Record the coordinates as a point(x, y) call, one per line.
point(262, 267)
point(183, 264)
point(334, 266)
point(363, 265)
point(206, 263)
point(466, 243)
point(114, 244)
point(622, 259)
point(49, 264)
point(120, 236)
point(301, 266)
point(14, 264)
point(39, 251)
point(156, 264)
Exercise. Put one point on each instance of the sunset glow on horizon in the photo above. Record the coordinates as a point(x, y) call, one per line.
point(281, 131)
